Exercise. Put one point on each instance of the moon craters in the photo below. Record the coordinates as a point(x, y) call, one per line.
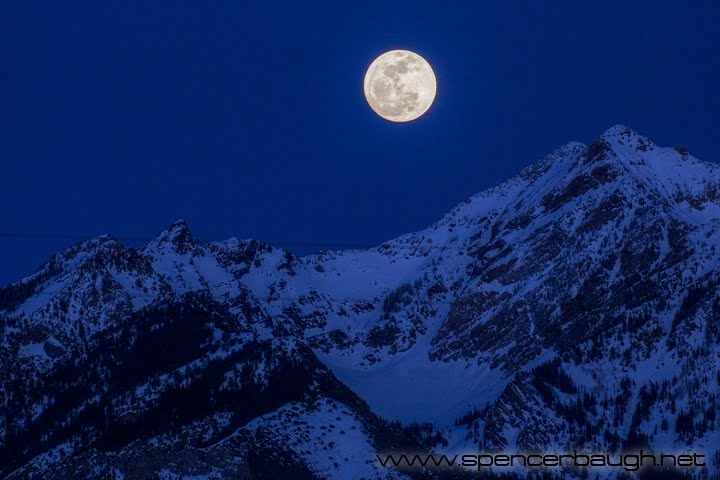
point(400, 86)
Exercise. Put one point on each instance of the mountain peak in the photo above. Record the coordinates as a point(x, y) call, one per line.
point(621, 137)
point(619, 130)
point(179, 225)
point(176, 237)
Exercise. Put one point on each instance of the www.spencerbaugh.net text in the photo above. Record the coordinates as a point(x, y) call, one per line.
point(627, 461)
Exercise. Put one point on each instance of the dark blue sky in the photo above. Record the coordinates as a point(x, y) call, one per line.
point(247, 118)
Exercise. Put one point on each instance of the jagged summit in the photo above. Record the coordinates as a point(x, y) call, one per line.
point(178, 226)
point(177, 237)
point(623, 136)
point(619, 130)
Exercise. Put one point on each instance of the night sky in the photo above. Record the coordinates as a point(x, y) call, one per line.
point(248, 119)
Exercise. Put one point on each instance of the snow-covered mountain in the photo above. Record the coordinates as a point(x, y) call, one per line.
point(574, 306)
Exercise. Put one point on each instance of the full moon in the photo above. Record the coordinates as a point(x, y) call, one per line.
point(400, 86)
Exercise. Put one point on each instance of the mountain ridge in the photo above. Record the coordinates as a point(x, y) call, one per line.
point(559, 306)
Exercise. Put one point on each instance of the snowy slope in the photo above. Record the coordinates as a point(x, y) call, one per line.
point(575, 304)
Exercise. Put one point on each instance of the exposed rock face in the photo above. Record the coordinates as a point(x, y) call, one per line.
point(574, 306)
